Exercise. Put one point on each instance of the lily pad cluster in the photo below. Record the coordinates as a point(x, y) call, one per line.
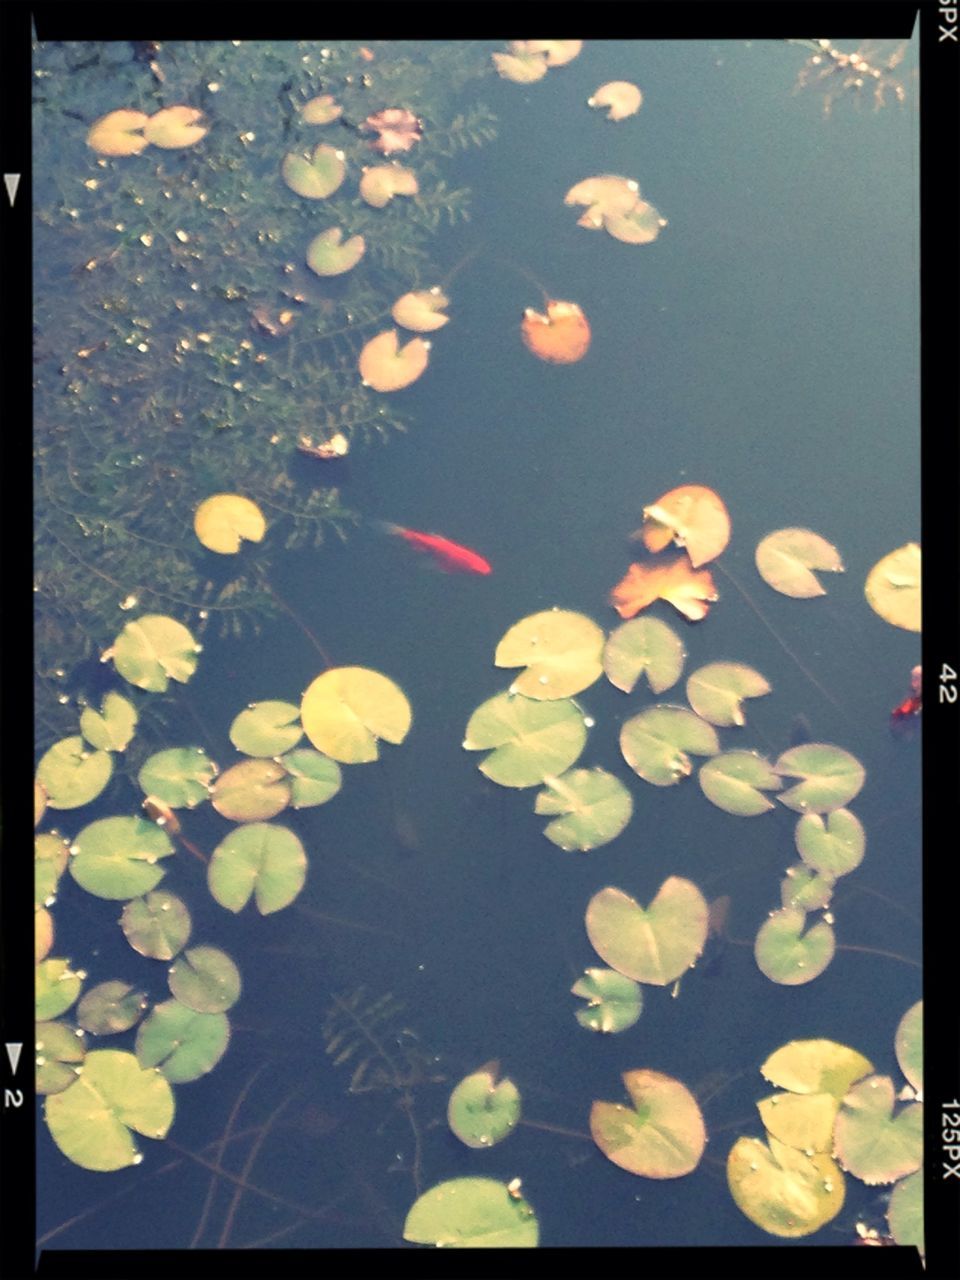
point(127, 133)
point(527, 61)
point(613, 204)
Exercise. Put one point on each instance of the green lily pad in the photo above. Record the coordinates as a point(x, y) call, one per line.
point(654, 945)
point(815, 1066)
point(785, 560)
point(42, 934)
point(259, 860)
point(346, 710)
point(869, 1141)
point(56, 987)
point(656, 741)
point(321, 110)
point(716, 691)
point(317, 176)
point(596, 808)
point(118, 857)
point(905, 1211)
point(181, 1043)
point(51, 853)
point(735, 781)
point(788, 955)
point(60, 1051)
point(224, 521)
point(71, 775)
point(639, 225)
point(531, 740)
point(472, 1213)
point(110, 1007)
point(614, 1002)
point(157, 925)
point(908, 1045)
point(806, 889)
point(328, 254)
point(314, 777)
point(481, 1110)
point(833, 847)
point(561, 652)
point(783, 1191)
point(830, 777)
point(801, 1120)
point(643, 646)
point(661, 1136)
point(893, 587)
point(39, 802)
point(251, 791)
point(267, 728)
point(153, 650)
point(91, 1122)
point(110, 728)
point(205, 979)
point(180, 776)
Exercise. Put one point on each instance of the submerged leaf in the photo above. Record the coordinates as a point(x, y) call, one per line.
point(521, 68)
point(315, 176)
point(118, 133)
point(175, 127)
point(380, 184)
point(785, 560)
point(690, 591)
point(321, 110)
point(328, 254)
point(561, 336)
point(557, 52)
point(893, 587)
point(386, 366)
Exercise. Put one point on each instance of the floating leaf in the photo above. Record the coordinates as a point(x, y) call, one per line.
point(521, 68)
point(111, 1007)
point(597, 807)
point(908, 1044)
point(267, 728)
point(472, 1213)
point(561, 336)
point(39, 802)
point(71, 775)
point(482, 1111)
point(117, 858)
point(639, 225)
point(180, 776)
point(716, 691)
point(893, 587)
point(42, 933)
point(328, 254)
point(784, 1191)
point(804, 1121)
point(157, 925)
point(643, 646)
point(560, 649)
point(56, 987)
point(786, 557)
point(175, 127)
point(735, 780)
point(422, 310)
point(258, 859)
point(869, 1141)
point(557, 52)
point(182, 1043)
point(622, 98)
point(531, 740)
point(380, 184)
point(110, 728)
point(785, 954)
point(830, 777)
point(690, 591)
point(314, 777)
point(661, 1136)
point(815, 1066)
point(118, 133)
point(153, 650)
point(60, 1051)
point(692, 516)
point(803, 888)
point(608, 194)
point(251, 791)
point(655, 743)
point(91, 1122)
point(51, 853)
point(833, 847)
point(346, 710)
point(656, 944)
point(614, 1002)
point(205, 979)
point(386, 366)
point(905, 1211)
point(321, 110)
point(225, 520)
point(315, 176)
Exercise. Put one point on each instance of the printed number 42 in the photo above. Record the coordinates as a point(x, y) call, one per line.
point(948, 684)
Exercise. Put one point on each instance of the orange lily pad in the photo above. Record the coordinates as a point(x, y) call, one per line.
point(605, 195)
point(118, 133)
point(620, 97)
point(562, 336)
point(175, 127)
point(691, 516)
point(422, 310)
point(386, 366)
point(380, 184)
point(691, 591)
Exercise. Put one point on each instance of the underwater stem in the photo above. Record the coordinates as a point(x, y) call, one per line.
point(288, 609)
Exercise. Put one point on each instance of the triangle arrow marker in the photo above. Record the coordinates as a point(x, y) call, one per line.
point(11, 181)
point(13, 1053)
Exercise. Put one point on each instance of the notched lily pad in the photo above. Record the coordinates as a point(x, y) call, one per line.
point(560, 650)
point(205, 979)
point(830, 777)
point(782, 1190)
point(180, 1043)
point(786, 560)
point(473, 1213)
point(346, 711)
point(72, 775)
point(870, 1141)
point(908, 1044)
point(655, 743)
point(267, 728)
point(110, 728)
point(180, 776)
point(482, 1111)
point(328, 254)
point(643, 647)
point(893, 587)
point(258, 860)
point(815, 1066)
point(157, 925)
point(716, 691)
point(111, 1007)
point(314, 777)
point(654, 944)
point(736, 780)
point(119, 857)
point(614, 1002)
point(595, 807)
point(153, 650)
point(833, 847)
point(528, 740)
point(661, 1136)
point(789, 953)
point(224, 521)
point(317, 175)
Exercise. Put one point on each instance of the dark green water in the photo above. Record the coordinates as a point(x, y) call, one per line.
point(765, 346)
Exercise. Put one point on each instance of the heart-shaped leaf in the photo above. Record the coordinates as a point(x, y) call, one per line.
point(782, 1190)
point(787, 954)
point(328, 254)
point(71, 775)
point(620, 97)
point(661, 1136)
point(531, 740)
point(224, 521)
point(267, 728)
point(655, 944)
point(117, 857)
point(180, 776)
point(472, 1213)
point(716, 691)
point(260, 860)
point(386, 366)
point(251, 791)
point(118, 133)
point(735, 781)
point(643, 646)
point(153, 650)
point(157, 925)
point(182, 1043)
point(205, 979)
point(110, 728)
point(422, 310)
point(830, 777)
point(380, 184)
point(656, 741)
point(315, 176)
point(833, 847)
point(869, 1141)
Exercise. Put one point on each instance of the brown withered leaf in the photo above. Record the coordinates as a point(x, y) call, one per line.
point(690, 591)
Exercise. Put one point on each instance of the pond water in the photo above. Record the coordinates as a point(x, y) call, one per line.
point(764, 345)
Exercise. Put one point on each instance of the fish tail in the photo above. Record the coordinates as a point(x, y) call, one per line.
point(386, 526)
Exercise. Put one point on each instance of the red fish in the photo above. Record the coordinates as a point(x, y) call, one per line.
point(912, 705)
point(450, 556)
